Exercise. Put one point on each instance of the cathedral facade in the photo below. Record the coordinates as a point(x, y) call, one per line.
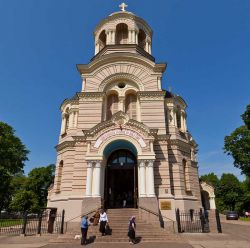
point(124, 140)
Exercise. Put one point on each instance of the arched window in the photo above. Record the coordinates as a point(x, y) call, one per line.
point(59, 176)
point(102, 40)
point(112, 105)
point(130, 106)
point(178, 118)
point(142, 39)
point(121, 34)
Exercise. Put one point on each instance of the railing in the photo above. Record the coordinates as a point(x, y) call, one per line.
point(32, 224)
point(192, 221)
point(160, 216)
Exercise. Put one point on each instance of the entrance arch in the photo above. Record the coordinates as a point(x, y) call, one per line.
point(121, 184)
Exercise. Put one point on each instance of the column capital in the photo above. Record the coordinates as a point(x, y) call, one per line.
point(150, 162)
point(142, 163)
point(98, 163)
point(89, 164)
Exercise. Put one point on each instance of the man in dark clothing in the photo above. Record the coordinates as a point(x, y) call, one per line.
point(84, 229)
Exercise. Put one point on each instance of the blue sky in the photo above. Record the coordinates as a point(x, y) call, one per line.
point(205, 43)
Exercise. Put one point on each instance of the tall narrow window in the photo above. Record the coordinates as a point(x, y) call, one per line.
point(121, 34)
point(178, 118)
point(112, 105)
point(142, 39)
point(130, 106)
point(59, 176)
point(102, 39)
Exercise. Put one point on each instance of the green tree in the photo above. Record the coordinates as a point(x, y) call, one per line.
point(5, 195)
point(211, 179)
point(39, 180)
point(237, 144)
point(230, 191)
point(25, 200)
point(13, 154)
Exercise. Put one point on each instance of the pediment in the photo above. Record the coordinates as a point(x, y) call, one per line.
point(121, 121)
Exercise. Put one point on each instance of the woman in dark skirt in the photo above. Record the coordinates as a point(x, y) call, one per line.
point(103, 222)
point(131, 230)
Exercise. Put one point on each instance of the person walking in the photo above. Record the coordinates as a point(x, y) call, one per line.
point(131, 230)
point(96, 217)
point(103, 222)
point(84, 229)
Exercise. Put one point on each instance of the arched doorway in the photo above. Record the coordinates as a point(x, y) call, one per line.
point(121, 188)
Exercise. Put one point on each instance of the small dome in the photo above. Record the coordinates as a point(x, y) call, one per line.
point(123, 28)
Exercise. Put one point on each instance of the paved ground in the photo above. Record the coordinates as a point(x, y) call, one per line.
point(236, 234)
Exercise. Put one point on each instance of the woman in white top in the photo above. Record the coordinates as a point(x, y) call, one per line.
point(103, 221)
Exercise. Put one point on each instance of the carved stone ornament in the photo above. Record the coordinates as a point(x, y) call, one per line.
point(90, 96)
point(120, 118)
point(151, 95)
point(65, 144)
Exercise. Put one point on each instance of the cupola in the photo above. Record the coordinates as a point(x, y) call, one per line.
point(123, 28)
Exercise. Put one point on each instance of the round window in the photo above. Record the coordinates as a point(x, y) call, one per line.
point(121, 85)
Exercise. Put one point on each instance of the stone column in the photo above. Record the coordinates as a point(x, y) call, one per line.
point(149, 48)
point(71, 119)
point(150, 179)
point(97, 180)
point(121, 106)
point(171, 116)
point(63, 126)
point(133, 36)
point(185, 122)
point(212, 202)
point(129, 36)
point(83, 84)
point(75, 118)
point(89, 178)
point(182, 121)
point(142, 176)
point(136, 37)
point(113, 36)
point(175, 117)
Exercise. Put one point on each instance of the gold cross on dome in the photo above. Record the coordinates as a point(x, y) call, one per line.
point(123, 6)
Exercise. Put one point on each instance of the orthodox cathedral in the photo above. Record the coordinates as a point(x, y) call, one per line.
point(124, 140)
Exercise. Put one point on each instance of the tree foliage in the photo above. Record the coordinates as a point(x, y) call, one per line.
point(13, 152)
point(38, 181)
point(230, 190)
point(230, 193)
point(211, 179)
point(25, 201)
point(237, 144)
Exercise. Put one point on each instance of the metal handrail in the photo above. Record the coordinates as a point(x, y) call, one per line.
point(86, 213)
point(155, 213)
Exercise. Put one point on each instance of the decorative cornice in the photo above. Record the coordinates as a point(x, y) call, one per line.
point(121, 77)
point(90, 96)
point(163, 137)
point(79, 138)
point(72, 101)
point(151, 95)
point(64, 145)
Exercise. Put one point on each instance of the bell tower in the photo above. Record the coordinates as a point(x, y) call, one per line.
point(123, 29)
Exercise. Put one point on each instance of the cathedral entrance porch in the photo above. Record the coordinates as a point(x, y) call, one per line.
point(121, 180)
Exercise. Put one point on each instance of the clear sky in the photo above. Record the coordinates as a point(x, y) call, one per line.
point(205, 43)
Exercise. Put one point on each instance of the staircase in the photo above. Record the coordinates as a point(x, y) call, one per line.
point(118, 222)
